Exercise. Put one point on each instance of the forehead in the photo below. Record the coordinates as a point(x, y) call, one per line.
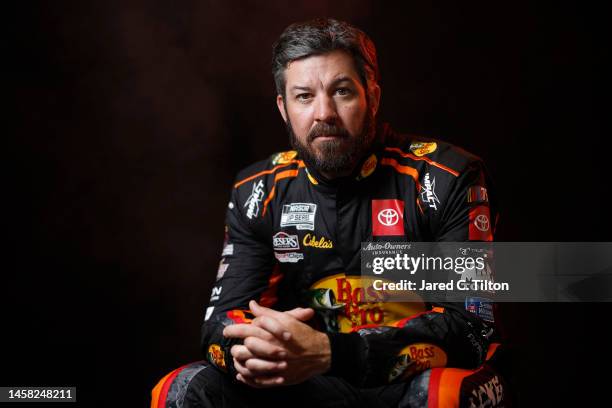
point(321, 69)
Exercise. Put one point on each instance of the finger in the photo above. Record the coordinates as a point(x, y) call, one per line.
point(264, 349)
point(247, 381)
point(268, 381)
point(273, 326)
point(261, 367)
point(250, 382)
point(242, 331)
point(261, 382)
point(302, 314)
point(258, 310)
point(241, 352)
point(245, 372)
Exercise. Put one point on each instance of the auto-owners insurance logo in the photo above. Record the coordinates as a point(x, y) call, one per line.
point(299, 215)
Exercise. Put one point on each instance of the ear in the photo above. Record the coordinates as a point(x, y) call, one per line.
point(375, 93)
point(281, 107)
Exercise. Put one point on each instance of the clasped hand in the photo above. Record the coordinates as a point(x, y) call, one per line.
point(278, 348)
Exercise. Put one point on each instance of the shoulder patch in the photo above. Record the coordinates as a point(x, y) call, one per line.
point(368, 167)
point(283, 157)
point(422, 148)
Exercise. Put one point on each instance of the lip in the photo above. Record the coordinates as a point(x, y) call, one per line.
point(327, 137)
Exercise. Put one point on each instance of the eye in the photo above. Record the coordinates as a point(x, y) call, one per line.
point(343, 91)
point(303, 97)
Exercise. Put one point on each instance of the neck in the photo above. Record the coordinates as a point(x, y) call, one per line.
point(335, 175)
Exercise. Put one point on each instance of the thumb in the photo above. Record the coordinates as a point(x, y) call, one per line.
point(302, 314)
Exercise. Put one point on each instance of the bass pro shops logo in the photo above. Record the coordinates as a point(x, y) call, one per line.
point(417, 358)
point(252, 203)
point(358, 303)
point(423, 148)
point(347, 303)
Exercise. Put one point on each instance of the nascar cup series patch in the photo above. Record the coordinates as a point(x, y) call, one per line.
point(299, 215)
point(423, 148)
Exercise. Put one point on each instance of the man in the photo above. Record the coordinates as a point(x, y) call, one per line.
point(290, 321)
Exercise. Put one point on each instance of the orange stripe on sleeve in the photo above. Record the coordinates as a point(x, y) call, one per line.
point(492, 348)
point(272, 170)
point(448, 384)
point(426, 159)
point(434, 387)
point(155, 393)
point(279, 176)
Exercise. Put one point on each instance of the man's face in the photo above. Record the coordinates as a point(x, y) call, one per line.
point(326, 109)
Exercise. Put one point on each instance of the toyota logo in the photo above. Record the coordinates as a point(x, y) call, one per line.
point(482, 222)
point(388, 217)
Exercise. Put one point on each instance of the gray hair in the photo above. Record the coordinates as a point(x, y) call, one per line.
point(320, 36)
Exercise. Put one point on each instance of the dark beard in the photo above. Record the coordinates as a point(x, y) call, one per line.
point(335, 157)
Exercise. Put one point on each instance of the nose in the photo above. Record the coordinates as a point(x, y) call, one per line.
point(325, 109)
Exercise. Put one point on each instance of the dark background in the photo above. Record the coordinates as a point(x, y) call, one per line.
point(128, 121)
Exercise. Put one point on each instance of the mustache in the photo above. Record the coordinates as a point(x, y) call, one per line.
point(326, 129)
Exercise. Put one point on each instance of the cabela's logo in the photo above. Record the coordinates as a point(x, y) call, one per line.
point(312, 241)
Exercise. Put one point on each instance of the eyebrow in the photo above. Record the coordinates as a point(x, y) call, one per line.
point(334, 83)
point(342, 79)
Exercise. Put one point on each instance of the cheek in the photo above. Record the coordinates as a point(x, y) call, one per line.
point(352, 115)
point(301, 122)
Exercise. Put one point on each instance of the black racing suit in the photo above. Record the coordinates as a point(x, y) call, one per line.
point(293, 239)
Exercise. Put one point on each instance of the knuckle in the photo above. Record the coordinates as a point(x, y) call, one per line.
point(250, 364)
point(248, 342)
